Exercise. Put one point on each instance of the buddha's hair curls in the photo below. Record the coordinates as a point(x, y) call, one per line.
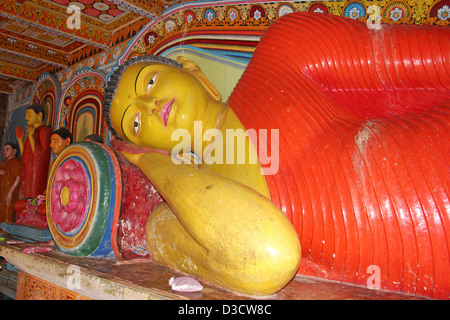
point(113, 82)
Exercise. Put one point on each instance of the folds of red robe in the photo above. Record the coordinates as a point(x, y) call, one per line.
point(35, 164)
point(363, 119)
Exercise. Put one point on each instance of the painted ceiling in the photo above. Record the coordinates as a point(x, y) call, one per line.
point(39, 36)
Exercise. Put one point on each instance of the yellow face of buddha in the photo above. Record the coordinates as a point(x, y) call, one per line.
point(32, 118)
point(154, 99)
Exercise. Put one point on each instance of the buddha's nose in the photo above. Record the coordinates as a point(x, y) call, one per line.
point(147, 103)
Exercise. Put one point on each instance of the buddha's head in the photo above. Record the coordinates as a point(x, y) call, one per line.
point(34, 115)
point(149, 97)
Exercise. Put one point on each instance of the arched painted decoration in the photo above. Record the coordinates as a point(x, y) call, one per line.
point(84, 116)
point(81, 104)
point(47, 92)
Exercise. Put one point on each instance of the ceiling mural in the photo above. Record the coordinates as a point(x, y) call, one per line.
point(38, 36)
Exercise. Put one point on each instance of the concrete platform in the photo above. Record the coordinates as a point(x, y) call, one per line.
point(110, 279)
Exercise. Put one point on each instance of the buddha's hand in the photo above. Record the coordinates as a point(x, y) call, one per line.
point(20, 133)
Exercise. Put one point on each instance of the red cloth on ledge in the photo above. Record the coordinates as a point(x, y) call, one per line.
point(29, 214)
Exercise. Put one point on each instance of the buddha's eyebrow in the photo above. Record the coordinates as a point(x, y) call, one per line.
point(137, 77)
point(121, 122)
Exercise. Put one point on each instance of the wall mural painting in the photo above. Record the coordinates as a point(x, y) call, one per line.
point(198, 24)
point(81, 105)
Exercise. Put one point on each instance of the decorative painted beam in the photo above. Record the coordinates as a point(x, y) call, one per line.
point(16, 71)
point(31, 50)
point(148, 9)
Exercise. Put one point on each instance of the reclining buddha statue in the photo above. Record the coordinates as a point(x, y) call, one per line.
point(358, 172)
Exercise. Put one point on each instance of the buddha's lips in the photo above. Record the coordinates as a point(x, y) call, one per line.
point(127, 147)
point(165, 112)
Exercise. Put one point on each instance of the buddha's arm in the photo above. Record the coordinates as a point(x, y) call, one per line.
point(231, 234)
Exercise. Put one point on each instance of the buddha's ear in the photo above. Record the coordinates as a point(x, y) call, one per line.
point(193, 68)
